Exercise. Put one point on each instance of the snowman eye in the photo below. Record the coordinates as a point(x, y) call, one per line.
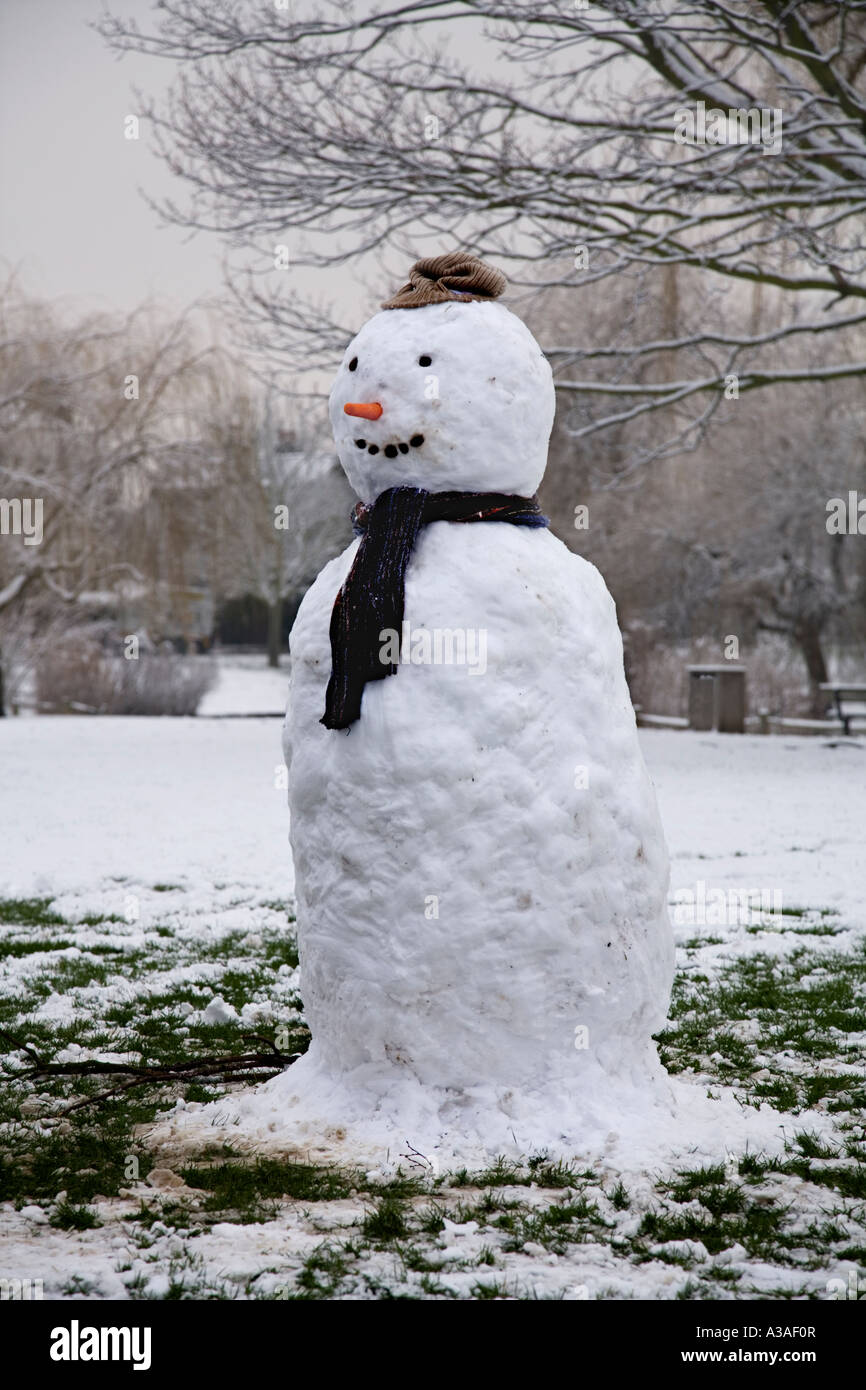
point(425, 361)
point(353, 364)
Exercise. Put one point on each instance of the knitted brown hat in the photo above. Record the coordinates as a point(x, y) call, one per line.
point(456, 276)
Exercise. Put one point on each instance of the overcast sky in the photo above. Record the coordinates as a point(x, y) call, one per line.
point(72, 219)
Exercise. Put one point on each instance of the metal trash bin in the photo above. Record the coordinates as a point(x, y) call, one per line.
point(717, 698)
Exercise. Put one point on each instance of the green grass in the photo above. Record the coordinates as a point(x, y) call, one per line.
point(729, 1214)
point(489, 1289)
point(323, 1273)
point(432, 1219)
point(556, 1227)
point(86, 1157)
point(799, 1210)
point(506, 1173)
point(757, 1228)
point(87, 1151)
point(844, 1181)
point(386, 1222)
point(29, 912)
point(10, 948)
point(68, 1217)
point(805, 1004)
point(168, 1213)
point(243, 1187)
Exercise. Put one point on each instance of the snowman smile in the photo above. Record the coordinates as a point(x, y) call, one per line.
point(371, 410)
point(391, 450)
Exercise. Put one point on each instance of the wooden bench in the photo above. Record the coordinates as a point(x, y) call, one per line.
point(658, 721)
point(849, 702)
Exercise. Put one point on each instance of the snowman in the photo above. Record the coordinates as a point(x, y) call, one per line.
point(481, 871)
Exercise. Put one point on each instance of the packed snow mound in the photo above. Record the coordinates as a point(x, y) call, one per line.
point(385, 1123)
point(480, 866)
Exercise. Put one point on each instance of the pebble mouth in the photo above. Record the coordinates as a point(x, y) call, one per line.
point(391, 450)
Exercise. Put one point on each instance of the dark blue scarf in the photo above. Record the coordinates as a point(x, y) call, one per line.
point(372, 598)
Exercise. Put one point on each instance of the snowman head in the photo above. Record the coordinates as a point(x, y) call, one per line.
point(444, 390)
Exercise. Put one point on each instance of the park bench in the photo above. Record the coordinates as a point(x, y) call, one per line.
point(849, 703)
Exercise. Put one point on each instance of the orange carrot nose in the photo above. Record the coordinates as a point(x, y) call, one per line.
point(368, 410)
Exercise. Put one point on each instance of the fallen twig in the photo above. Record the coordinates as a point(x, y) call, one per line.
point(22, 1046)
point(253, 1066)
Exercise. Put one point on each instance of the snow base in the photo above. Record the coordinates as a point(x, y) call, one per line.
point(383, 1124)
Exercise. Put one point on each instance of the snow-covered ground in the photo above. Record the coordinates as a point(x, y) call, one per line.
point(772, 814)
point(88, 802)
point(186, 819)
point(245, 685)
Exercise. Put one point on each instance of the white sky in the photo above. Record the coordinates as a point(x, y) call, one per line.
point(72, 219)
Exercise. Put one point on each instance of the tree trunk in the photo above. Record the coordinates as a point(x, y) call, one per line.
point(275, 622)
point(808, 638)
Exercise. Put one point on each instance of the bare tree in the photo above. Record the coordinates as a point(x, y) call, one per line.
point(96, 419)
point(782, 563)
point(145, 474)
point(739, 538)
point(572, 141)
point(284, 504)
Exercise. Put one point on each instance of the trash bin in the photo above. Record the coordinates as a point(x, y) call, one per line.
point(717, 698)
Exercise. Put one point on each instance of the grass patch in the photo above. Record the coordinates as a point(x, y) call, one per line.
point(799, 1210)
point(68, 1217)
point(83, 1156)
point(805, 1004)
point(323, 1273)
point(387, 1222)
point(720, 1209)
point(538, 1170)
point(244, 1186)
point(30, 912)
point(485, 1290)
point(10, 948)
point(556, 1227)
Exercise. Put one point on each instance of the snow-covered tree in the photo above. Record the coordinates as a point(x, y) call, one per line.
point(284, 502)
point(571, 142)
point(96, 415)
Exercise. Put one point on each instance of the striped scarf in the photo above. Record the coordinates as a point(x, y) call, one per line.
point(373, 596)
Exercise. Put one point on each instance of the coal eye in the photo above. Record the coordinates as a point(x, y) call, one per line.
point(424, 361)
point(353, 364)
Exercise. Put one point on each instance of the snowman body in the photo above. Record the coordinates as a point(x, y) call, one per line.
point(481, 871)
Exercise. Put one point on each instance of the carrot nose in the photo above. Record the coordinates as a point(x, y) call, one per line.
point(368, 410)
